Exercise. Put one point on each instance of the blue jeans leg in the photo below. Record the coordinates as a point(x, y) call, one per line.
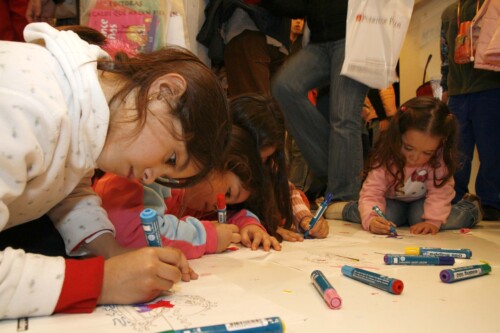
point(345, 155)
point(479, 119)
point(307, 69)
point(332, 147)
point(464, 214)
point(351, 212)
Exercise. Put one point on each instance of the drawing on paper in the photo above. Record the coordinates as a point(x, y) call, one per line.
point(160, 312)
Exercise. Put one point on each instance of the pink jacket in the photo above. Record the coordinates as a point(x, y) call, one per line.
point(124, 200)
point(419, 183)
point(486, 36)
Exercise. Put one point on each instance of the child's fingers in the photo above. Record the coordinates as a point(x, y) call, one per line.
point(304, 223)
point(321, 229)
point(275, 244)
point(245, 239)
point(257, 239)
point(289, 235)
point(266, 244)
point(424, 228)
point(235, 237)
point(380, 226)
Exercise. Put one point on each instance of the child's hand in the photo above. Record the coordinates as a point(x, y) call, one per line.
point(290, 235)
point(252, 236)
point(320, 229)
point(226, 234)
point(380, 226)
point(424, 228)
point(143, 274)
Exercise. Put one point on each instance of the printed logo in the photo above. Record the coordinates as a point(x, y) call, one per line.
point(392, 21)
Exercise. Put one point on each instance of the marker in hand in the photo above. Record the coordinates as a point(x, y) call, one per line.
point(149, 220)
point(319, 213)
point(221, 208)
point(382, 215)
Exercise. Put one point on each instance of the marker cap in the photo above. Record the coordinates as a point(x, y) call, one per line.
point(148, 215)
point(332, 299)
point(397, 286)
point(221, 201)
point(347, 270)
point(412, 250)
point(445, 275)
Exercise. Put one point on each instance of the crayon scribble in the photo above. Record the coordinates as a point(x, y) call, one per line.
point(151, 306)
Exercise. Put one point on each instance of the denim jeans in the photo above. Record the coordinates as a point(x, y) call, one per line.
point(464, 214)
point(331, 146)
point(478, 115)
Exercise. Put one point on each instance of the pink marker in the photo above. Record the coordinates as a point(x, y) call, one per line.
point(326, 290)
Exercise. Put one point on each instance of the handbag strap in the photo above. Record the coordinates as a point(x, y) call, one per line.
point(458, 12)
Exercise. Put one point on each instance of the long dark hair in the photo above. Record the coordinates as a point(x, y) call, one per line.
point(243, 159)
point(261, 116)
point(425, 114)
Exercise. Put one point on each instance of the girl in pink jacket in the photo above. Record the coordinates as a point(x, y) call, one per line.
point(409, 175)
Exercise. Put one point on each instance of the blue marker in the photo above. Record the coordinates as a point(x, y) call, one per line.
point(401, 259)
point(432, 251)
point(394, 286)
point(149, 221)
point(266, 325)
point(464, 273)
point(326, 290)
point(379, 212)
point(319, 213)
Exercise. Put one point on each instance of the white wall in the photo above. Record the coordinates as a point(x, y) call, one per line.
point(195, 16)
point(422, 39)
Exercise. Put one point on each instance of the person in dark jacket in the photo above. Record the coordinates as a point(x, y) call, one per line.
point(250, 41)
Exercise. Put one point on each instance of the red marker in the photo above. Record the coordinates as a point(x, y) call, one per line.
point(221, 208)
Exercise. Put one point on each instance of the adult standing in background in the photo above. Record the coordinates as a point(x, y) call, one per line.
point(298, 168)
point(474, 98)
point(332, 146)
point(252, 42)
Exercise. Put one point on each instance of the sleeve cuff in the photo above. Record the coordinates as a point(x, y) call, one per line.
point(82, 285)
point(211, 245)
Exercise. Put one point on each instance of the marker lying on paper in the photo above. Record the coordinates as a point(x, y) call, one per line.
point(431, 251)
point(221, 208)
point(326, 290)
point(394, 286)
point(319, 213)
point(149, 220)
point(266, 325)
point(379, 212)
point(401, 259)
point(464, 273)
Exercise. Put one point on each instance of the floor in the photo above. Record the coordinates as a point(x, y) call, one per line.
point(241, 284)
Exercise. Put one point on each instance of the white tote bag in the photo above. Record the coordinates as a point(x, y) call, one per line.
point(375, 31)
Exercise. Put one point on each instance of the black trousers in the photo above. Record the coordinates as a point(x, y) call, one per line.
point(38, 236)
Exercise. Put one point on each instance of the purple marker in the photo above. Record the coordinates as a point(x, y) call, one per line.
point(326, 290)
point(464, 273)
